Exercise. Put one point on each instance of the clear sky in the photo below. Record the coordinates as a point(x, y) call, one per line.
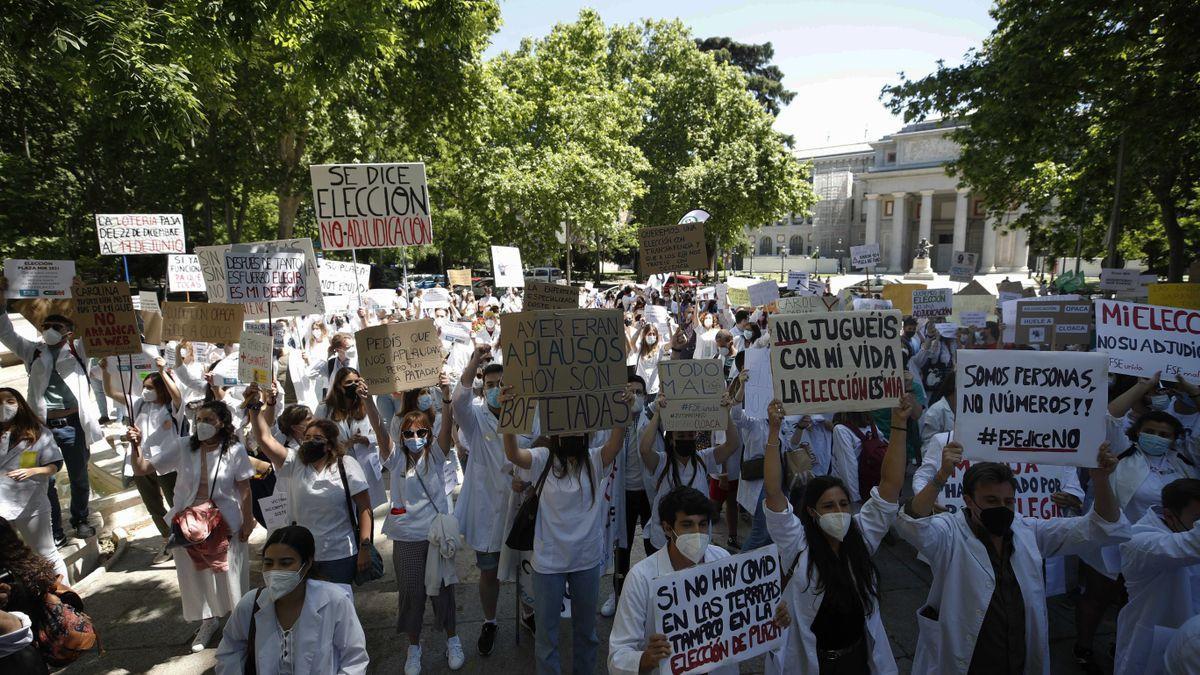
point(835, 54)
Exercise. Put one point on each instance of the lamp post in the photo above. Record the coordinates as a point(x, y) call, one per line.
point(783, 252)
point(751, 256)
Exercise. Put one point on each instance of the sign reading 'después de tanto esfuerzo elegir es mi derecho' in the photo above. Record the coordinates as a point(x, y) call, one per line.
point(371, 205)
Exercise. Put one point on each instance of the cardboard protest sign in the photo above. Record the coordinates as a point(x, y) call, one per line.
point(184, 274)
point(255, 365)
point(759, 385)
point(212, 264)
point(371, 205)
point(459, 277)
point(805, 304)
point(202, 321)
point(1140, 291)
point(36, 311)
point(399, 356)
point(1010, 290)
point(836, 361)
point(38, 278)
point(932, 302)
point(720, 612)
point(798, 281)
point(140, 365)
point(672, 248)
point(693, 388)
point(973, 298)
point(1053, 323)
point(1035, 484)
point(1026, 406)
point(343, 278)
point(763, 293)
point(901, 295)
point(540, 295)
point(737, 297)
point(276, 276)
point(140, 233)
point(1142, 339)
point(963, 266)
point(1186, 296)
point(435, 298)
point(568, 366)
point(105, 320)
point(151, 317)
point(506, 267)
point(1119, 279)
point(864, 257)
point(973, 319)
point(870, 303)
point(1008, 312)
point(458, 332)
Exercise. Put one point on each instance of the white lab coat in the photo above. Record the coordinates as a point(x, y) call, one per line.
point(804, 595)
point(963, 581)
point(326, 638)
point(1159, 567)
point(633, 623)
point(936, 419)
point(1183, 653)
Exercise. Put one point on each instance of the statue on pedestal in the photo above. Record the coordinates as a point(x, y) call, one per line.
point(921, 268)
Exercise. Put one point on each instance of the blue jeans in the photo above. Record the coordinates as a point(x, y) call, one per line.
point(73, 444)
point(759, 537)
point(548, 593)
point(340, 571)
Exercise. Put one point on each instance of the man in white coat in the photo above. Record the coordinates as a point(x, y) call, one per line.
point(61, 393)
point(988, 600)
point(1161, 565)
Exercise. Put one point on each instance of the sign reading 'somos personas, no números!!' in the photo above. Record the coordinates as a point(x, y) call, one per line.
point(139, 233)
point(371, 205)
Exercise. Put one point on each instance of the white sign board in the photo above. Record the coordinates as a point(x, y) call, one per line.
point(804, 304)
point(254, 358)
point(184, 274)
point(212, 264)
point(275, 276)
point(1027, 406)
point(798, 281)
point(1120, 280)
point(963, 266)
point(974, 319)
point(763, 293)
point(1035, 484)
point(371, 205)
point(871, 303)
point(38, 278)
point(1142, 339)
point(140, 233)
point(932, 302)
point(435, 298)
point(343, 278)
point(864, 257)
point(506, 267)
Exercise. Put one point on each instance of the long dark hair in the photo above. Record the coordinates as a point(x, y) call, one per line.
point(225, 432)
point(850, 571)
point(33, 575)
point(25, 425)
point(673, 458)
point(563, 452)
point(296, 537)
point(338, 406)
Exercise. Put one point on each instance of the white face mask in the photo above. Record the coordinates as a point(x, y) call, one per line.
point(693, 545)
point(149, 395)
point(478, 384)
point(183, 353)
point(205, 431)
point(723, 352)
point(835, 524)
point(7, 412)
point(280, 583)
point(489, 323)
point(51, 336)
point(637, 404)
point(651, 340)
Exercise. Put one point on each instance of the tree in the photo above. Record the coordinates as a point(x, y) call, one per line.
point(763, 80)
point(1052, 96)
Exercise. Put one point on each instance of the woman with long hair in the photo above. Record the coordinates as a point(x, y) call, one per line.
point(349, 406)
point(290, 425)
point(433, 402)
point(831, 585)
point(850, 430)
point(650, 349)
point(300, 624)
point(28, 458)
point(29, 578)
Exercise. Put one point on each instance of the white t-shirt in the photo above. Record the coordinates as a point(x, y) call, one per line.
point(647, 368)
point(411, 513)
point(569, 534)
point(689, 475)
point(28, 496)
point(1149, 493)
point(318, 501)
point(156, 424)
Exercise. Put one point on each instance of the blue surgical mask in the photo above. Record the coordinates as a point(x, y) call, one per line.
point(1160, 401)
point(1155, 446)
point(493, 397)
point(424, 402)
point(415, 444)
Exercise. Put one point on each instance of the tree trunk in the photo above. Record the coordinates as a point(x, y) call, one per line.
point(291, 151)
point(1176, 251)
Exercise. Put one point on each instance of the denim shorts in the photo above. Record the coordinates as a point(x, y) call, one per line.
point(486, 562)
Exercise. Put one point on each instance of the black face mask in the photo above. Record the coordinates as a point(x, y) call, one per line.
point(311, 451)
point(573, 446)
point(351, 391)
point(684, 448)
point(997, 520)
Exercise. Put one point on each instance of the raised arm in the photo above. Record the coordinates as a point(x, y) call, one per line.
point(1122, 404)
point(725, 450)
point(922, 504)
point(773, 461)
point(382, 437)
point(515, 454)
point(168, 378)
point(446, 432)
point(1105, 503)
point(892, 473)
point(270, 447)
point(650, 436)
point(616, 439)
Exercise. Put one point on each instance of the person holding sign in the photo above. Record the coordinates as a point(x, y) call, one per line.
point(210, 510)
point(650, 349)
point(834, 593)
point(352, 409)
point(687, 514)
point(568, 540)
point(986, 610)
point(28, 457)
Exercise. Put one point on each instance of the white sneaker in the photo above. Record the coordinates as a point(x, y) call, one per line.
point(412, 666)
point(610, 606)
point(455, 657)
point(208, 628)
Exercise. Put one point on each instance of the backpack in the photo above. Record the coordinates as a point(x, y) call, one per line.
point(66, 633)
point(870, 460)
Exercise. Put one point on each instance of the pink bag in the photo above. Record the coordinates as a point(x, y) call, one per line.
point(207, 534)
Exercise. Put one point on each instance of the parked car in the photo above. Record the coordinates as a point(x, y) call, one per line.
point(548, 275)
point(681, 281)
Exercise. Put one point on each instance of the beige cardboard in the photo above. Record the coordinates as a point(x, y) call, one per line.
point(672, 248)
point(901, 295)
point(1054, 324)
point(540, 295)
point(693, 388)
point(105, 320)
point(458, 277)
point(399, 356)
point(202, 321)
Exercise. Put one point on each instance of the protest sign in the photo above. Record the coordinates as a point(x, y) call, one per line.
point(864, 257)
point(693, 388)
point(1186, 296)
point(371, 205)
point(38, 278)
point(721, 291)
point(225, 373)
point(105, 320)
point(737, 297)
point(946, 329)
point(568, 366)
point(399, 356)
point(1010, 290)
point(1035, 484)
point(340, 304)
point(435, 298)
point(1120, 280)
point(932, 302)
point(140, 233)
point(798, 281)
point(963, 266)
point(506, 267)
point(805, 304)
point(202, 322)
point(1008, 312)
point(540, 295)
point(458, 332)
point(150, 315)
point(212, 265)
point(759, 389)
point(1142, 339)
point(459, 277)
point(184, 274)
point(763, 293)
point(720, 612)
point(901, 295)
point(140, 365)
point(836, 361)
point(254, 358)
point(1026, 406)
point(672, 248)
point(343, 278)
point(870, 303)
point(1053, 323)
point(973, 319)
point(276, 276)
point(973, 298)
point(658, 316)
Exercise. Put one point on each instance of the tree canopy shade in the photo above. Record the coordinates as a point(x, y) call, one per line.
point(1051, 98)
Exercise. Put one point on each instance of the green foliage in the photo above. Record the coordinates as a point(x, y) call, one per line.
point(762, 78)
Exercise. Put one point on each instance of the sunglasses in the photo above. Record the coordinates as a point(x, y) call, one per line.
point(415, 433)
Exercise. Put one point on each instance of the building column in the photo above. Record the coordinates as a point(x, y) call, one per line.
point(961, 204)
point(1021, 252)
point(872, 234)
point(926, 226)
point(896, 253)
point(987, 263)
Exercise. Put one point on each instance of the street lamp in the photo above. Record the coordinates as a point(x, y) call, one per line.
point(751, 255)
point(783, 252)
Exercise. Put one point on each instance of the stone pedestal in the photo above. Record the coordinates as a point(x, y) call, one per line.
point(921, 269)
